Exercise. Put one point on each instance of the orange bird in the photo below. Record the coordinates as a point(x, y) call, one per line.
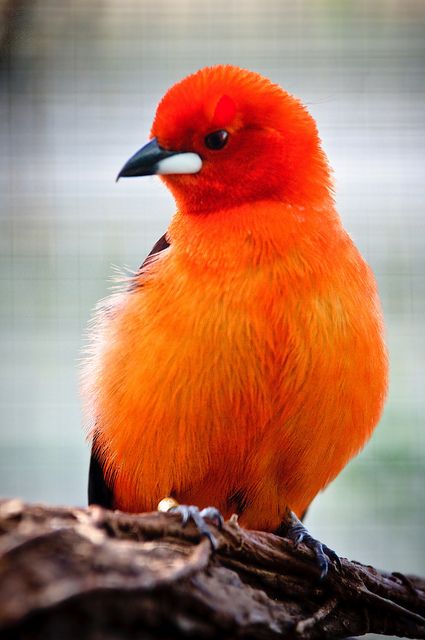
point(244, 364)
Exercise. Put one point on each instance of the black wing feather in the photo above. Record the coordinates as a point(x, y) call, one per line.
point(98, 490)
point(159, 246)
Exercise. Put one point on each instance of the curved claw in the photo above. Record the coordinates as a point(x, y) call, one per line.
point(321, 556)
point(213, 514)
point(191, 512)
point(334, 557)
point(184, 511)
point(296, 531)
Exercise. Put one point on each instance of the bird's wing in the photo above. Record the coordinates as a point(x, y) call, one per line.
point(98, 490)
point(158, 247)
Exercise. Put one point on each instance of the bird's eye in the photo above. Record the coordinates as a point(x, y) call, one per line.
point(216, 140)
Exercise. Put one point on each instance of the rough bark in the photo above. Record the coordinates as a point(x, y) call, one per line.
point(95, 574)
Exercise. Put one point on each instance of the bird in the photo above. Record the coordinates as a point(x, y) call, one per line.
point(244, 363)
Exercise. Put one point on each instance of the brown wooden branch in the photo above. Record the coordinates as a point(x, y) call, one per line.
point(77, 574)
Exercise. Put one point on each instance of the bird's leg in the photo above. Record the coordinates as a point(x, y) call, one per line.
point(199, 517)
point(294, 529)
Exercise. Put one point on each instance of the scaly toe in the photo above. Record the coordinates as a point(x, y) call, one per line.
point(296, 531)
point(191, 512)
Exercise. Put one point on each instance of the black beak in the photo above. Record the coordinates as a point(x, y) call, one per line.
point(145, 161)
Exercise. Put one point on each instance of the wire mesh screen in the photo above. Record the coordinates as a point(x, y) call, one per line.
point(79, 85)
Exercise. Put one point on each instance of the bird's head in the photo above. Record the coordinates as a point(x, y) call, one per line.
point(225, 136)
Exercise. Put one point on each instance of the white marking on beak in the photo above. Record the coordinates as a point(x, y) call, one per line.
point(179, 163)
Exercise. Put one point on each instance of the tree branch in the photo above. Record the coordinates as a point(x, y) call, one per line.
point(91, 573)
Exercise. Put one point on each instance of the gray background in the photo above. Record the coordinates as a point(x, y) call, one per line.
point(79, 85)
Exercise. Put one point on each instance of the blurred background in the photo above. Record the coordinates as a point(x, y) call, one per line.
point(79, 83)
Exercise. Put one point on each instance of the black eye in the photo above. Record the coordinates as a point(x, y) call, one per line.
point(216, 140)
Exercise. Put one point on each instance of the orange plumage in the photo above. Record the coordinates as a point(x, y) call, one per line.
point(245, 365)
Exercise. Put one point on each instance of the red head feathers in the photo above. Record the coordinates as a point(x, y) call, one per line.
point(271, 147)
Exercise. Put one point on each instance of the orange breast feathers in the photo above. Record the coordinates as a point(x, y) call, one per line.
point(245, 368)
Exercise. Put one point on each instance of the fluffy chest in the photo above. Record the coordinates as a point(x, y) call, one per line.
point(248, 350)
point(201, 339)
point(193, 367)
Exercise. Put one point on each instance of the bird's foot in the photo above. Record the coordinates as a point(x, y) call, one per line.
point(199, 517)
point(294, 529)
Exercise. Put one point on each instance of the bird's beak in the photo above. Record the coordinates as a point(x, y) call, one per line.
point(153, 159)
